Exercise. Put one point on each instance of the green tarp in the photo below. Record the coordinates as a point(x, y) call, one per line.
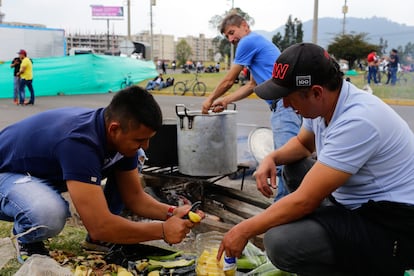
point(81, 74)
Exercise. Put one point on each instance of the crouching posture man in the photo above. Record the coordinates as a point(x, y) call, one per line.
point(351, 212)
point(73, 149)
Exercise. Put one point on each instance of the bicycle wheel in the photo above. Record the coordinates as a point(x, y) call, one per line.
point(179, 88)
point(199, 89)
point(123, 85)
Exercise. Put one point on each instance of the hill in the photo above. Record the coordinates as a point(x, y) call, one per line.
point(376, 27)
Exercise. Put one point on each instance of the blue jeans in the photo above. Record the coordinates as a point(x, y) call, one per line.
point(37, 207)
point(34, 205)
point(16, 90)
point(285, 125)
point(393, 71)
point(152, 85)
point(22, 85)
point(372, 73)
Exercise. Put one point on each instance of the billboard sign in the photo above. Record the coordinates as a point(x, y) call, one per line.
point(104, 12)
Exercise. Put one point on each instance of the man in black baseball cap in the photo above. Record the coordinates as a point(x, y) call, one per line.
point(299, 66)
point(351, 211)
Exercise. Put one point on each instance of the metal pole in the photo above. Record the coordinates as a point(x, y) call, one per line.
point(129, 19)
point(315, 23)
point(107, 34)
point(151, 33)
point(344, 10)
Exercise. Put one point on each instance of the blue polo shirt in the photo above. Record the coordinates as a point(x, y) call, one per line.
point(59, 145)
point(258, 54)
point(368, 139)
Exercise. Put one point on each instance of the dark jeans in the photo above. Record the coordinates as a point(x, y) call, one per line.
point(331, 241)
point(22, 86)
point(372, 73)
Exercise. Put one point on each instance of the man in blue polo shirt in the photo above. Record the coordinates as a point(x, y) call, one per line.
point(73, 149)
point(258, 54)
point(351, 211)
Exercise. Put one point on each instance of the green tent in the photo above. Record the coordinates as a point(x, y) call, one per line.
point(80, 74)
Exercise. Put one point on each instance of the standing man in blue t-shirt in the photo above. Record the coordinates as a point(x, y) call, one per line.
point(73, 149)
point(257, 54)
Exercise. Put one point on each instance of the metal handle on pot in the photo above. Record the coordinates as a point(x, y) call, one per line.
point(190, 118)
point(234, 105)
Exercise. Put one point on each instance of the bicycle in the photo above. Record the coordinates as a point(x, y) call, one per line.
point(127, 82)
point(198, 87)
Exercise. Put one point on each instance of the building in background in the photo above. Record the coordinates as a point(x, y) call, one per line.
point(202, 47)
point(164, 45)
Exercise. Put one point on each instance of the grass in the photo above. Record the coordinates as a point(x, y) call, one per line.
point(68, 242)
point(210, 79)
point(402, 93)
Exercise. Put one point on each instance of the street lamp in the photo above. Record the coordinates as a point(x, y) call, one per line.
point(315, 22)
point(344, 11)
point(152, 3)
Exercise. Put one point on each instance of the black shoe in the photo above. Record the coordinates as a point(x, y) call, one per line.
point(95, 245)
point(28, 103)
point(25, 250)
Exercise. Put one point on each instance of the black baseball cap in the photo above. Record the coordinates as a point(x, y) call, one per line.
point(299, 66)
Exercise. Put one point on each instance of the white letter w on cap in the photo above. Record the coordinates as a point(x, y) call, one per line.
point(279, 71)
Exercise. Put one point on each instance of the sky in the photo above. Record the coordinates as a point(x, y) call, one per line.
point(190, 17)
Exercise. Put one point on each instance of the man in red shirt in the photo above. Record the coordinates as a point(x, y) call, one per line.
point(372, 66)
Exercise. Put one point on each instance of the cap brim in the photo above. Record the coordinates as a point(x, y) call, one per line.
point(269, 90)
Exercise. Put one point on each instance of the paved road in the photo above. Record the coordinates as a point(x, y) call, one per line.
point(250, 111)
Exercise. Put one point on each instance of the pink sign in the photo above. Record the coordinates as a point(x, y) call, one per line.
point(103, 11)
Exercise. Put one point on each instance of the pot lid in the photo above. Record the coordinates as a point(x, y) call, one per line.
point(261, 142)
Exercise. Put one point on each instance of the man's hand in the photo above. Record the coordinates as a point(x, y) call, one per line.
point(176, 228)
point(219, 105)
point(266, 171)
point(233, 242)
point(206, 105)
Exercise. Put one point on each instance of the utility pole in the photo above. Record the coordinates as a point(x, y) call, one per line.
point(344, 11)
point(315, 23)
point(152, 3)
point(1, 14)
point(129, 19)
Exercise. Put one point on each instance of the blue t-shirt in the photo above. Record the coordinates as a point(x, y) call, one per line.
point(59, 145)
point(259, 55)
point(369, 140)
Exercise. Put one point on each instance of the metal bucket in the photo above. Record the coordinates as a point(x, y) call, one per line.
point(206, 143)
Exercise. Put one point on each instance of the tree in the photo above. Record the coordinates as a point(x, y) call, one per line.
point(183, 51)
point(293, 34)
point(216, 20)
point(351, 47)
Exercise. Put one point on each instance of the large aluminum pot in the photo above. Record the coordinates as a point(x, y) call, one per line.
point(206, 143)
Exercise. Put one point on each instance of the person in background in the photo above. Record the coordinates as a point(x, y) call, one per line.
point(257, 54)
point(372, 60)
point(157, 82)
point(394, 60)
point(15, 64)
point(26, 78)
point(72, 149)
point(351, 211)
point(217, 67)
